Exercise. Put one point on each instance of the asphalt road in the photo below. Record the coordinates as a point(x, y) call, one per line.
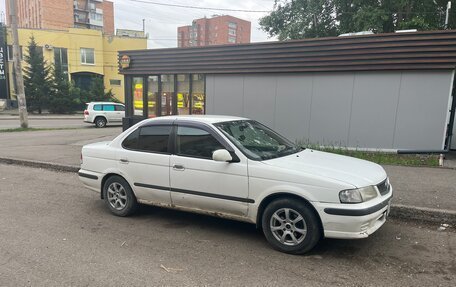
point(10, 123)
point(48, 122)
point(58, 146)
point(53, 232)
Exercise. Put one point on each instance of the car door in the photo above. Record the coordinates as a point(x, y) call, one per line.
point(120, 112)
point(144, 161)
point(109, 112)
point(198, 182)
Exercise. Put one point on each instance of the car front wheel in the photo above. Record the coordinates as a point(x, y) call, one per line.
point(100, 122)
point(291, 226)
point(119, 197)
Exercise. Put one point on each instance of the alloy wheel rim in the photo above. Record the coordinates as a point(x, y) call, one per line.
point(100, 123)
point(288, 226)
point(117, 196)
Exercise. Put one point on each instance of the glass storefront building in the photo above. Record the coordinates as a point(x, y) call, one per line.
point(163, 95)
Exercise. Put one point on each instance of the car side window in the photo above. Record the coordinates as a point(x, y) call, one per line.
point(97, 107)
point(108, 108)
point(195, 142)
point(149, 139)
point(131, 142)
point(119, 108)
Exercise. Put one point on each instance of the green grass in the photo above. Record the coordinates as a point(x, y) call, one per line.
point(384, 157)
point(33, 129)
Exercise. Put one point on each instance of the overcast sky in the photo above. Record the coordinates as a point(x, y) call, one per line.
point(162, 21)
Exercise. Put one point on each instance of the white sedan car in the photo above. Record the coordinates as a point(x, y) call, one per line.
point(237, 168)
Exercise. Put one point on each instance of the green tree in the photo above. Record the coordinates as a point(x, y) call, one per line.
point(300, 19)
point(96, 93)
point(64, 98)
point(296, 19)
point(37, 79)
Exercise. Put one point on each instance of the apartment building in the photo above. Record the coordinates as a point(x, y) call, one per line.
point(64, 14)
point(218, 30)
point(84, 54)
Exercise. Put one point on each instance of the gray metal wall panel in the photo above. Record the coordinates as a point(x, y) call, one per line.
point(260, 98)
point(210, 101)
point(330, 109)
point(373, 112)
point(422, 110)
point(378, 110)
point(293, 106)
point(229, 94)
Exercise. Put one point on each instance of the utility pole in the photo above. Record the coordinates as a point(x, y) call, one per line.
point(20, 93)
point(447, 14)
point(144, 26)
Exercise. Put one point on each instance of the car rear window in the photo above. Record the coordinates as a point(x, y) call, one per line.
point(97, 107)
point(120, 108)
point(149, 139)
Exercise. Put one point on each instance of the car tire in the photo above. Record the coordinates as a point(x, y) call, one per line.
point(119, 196)
point(295, 233)
point(100, 122)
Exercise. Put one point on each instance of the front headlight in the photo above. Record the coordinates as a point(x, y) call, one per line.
point(358, 195)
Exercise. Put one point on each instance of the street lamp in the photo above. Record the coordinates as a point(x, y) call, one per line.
point(447, 14)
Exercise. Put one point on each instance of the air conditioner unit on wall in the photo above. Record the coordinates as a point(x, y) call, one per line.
point(48, 47)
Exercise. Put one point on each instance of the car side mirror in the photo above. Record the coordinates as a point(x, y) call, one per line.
point(222, 155)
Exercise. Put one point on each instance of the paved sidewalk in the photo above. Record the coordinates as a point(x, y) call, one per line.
point(420, 193)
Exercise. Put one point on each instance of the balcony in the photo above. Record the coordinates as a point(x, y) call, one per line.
point(96, 22)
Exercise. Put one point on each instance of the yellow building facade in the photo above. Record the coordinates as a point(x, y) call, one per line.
point(84, 53)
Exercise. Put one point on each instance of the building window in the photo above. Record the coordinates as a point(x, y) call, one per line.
point(183, 94)
point(152, 96)
point(96, 16)
point(232, 32)
point(39, 51)
point(137, 87)
point(198, 94)
point(231, 39)
point(232, 25)
point(61, 58)
point(88, 56)
point(167, 94)
point(10, 52)
point(115, 82)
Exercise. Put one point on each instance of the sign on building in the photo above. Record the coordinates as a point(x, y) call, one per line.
point(3, 64)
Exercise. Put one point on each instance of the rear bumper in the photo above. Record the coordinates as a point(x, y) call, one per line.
point(91, 179)
point(351, 222)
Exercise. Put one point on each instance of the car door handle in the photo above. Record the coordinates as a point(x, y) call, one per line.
point(178, 167)
point(124, 160)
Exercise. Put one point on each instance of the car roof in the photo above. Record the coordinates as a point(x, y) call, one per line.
point(110, 103)
point(209, 119)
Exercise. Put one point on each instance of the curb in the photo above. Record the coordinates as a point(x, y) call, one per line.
point(40, 164)
point(423, 214)
point(398, 211)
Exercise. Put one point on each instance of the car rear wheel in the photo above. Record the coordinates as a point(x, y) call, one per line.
point(119, 197)
point(291, 226)
point(100, 122)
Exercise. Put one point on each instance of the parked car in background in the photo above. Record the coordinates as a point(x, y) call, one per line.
point(103, 113)
point(237, 168)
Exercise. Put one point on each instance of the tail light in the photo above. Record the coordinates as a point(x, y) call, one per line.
point(86, 112)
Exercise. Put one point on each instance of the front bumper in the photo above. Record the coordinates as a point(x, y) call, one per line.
point(347, 221)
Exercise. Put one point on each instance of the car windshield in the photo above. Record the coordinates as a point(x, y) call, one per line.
point(257, 141)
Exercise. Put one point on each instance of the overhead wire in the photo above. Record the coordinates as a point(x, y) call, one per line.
point(200, 7)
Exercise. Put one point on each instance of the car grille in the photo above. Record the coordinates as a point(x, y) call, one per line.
point(384, 187)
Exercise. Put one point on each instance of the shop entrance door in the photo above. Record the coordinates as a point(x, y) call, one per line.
point(167, 95)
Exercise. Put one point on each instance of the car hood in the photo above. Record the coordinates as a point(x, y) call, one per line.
point(353, 171)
